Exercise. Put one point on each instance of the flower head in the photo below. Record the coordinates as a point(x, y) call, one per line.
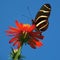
point(24, 33)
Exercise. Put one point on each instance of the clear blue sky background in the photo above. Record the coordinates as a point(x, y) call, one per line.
point(10, 10)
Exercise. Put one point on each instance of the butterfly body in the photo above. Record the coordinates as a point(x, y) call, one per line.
point(41, 19)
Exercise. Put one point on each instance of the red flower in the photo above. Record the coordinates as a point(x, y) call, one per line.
point(24, 33)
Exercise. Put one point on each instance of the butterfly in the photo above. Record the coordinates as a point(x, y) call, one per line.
point(41, 20)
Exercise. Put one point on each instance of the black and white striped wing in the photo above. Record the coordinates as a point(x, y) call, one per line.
point(41, 19)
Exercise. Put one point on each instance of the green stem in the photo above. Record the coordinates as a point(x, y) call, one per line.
point(18, 53)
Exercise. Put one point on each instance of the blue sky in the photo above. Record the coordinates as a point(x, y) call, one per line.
point(10, 10)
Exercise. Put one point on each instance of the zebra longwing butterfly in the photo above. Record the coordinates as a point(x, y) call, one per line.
point(41, 19)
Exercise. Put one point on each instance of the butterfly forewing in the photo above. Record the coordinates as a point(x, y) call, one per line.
point(41, 19)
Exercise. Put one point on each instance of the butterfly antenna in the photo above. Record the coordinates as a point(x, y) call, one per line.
point(29, 12)
point(25, 16)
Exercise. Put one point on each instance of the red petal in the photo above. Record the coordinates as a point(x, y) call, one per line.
point(38, 43)
point(19, 44)
point(37, 36)
point(31, 44)
point(40, 37)
point(19, 25)
point(10, 32)
point(36, 33)
point(15, 43)
point(31, 28)
point(13, 29)
point(12, 40)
